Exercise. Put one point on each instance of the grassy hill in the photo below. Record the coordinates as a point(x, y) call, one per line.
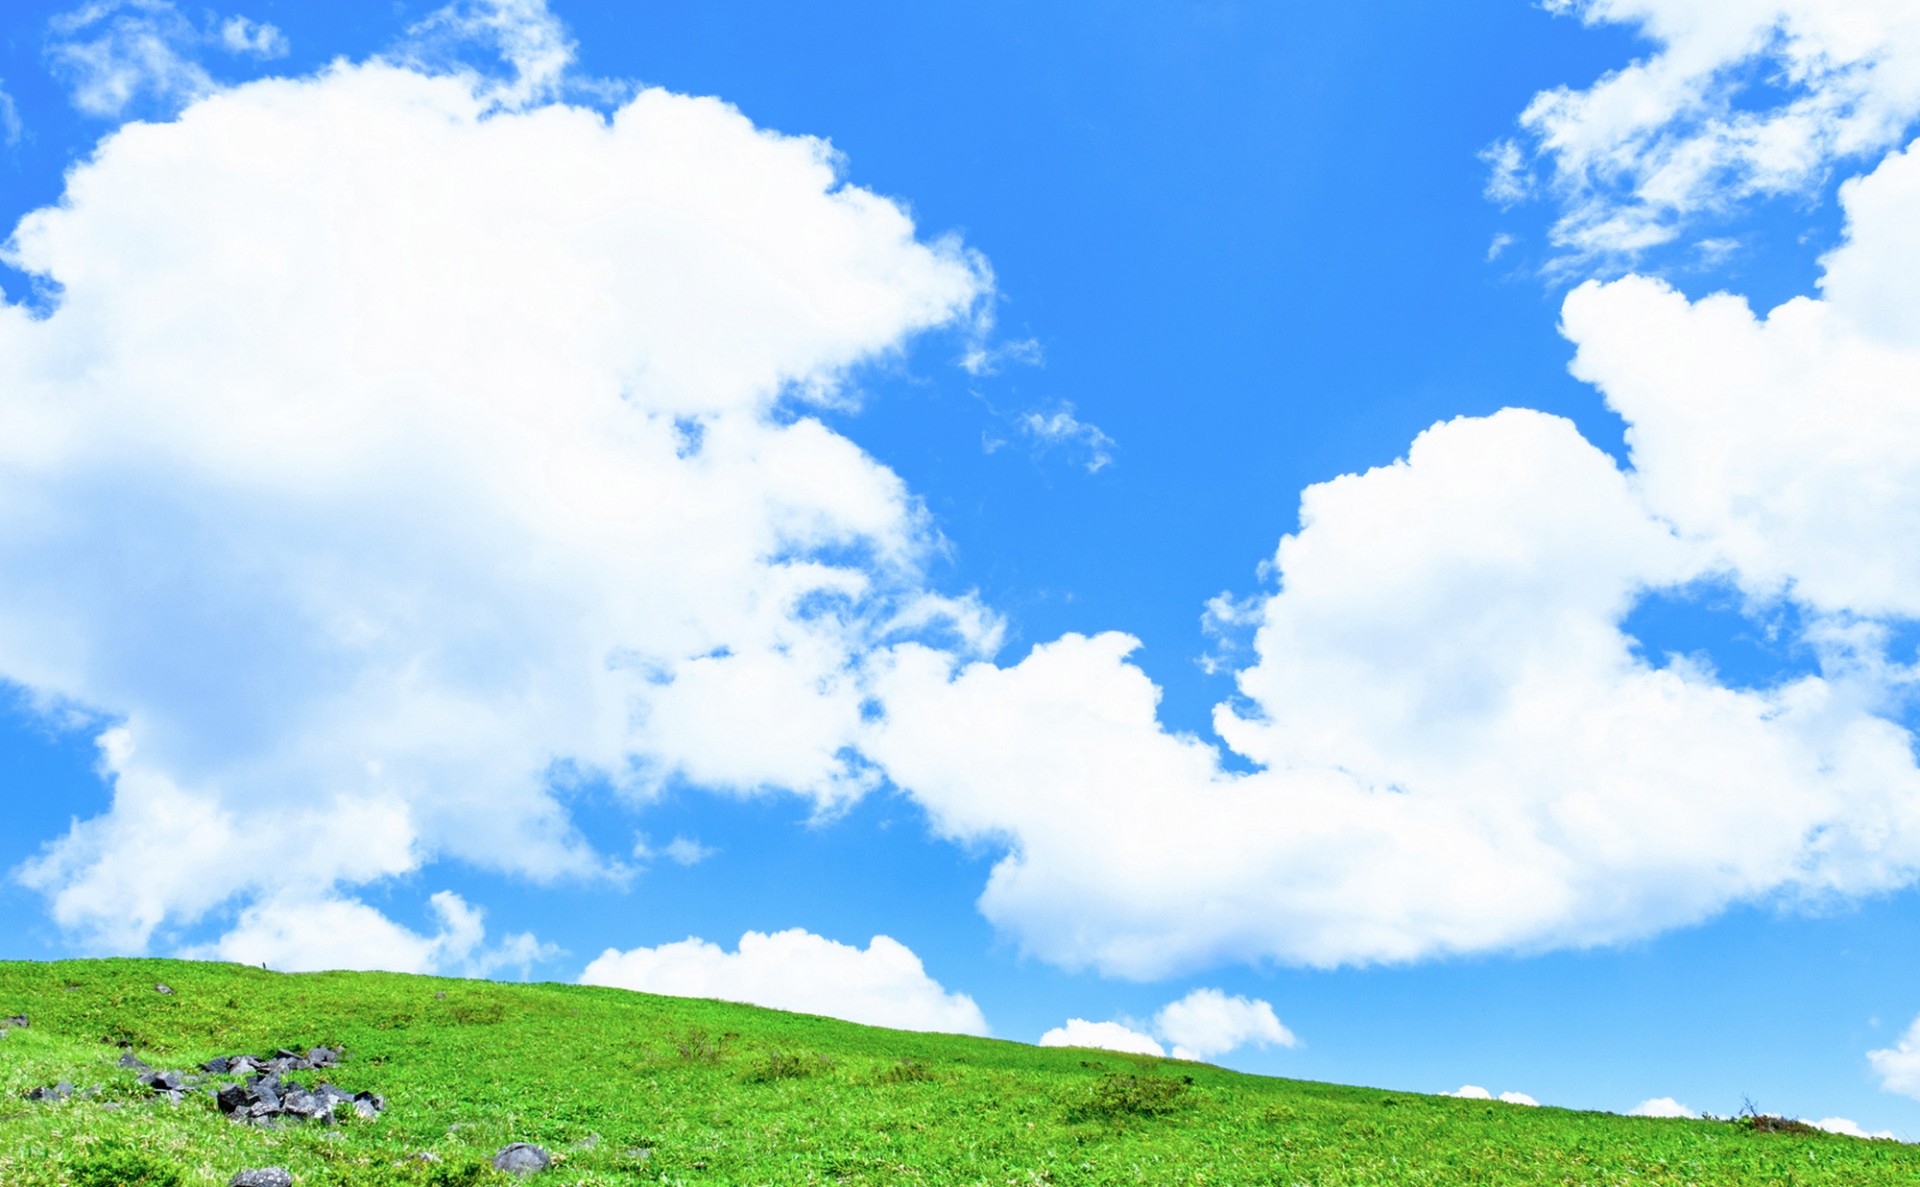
point(631, 1088)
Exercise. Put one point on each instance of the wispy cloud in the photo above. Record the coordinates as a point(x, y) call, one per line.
point(113, 54)
point(681, 851)
point(1736, 101)
point(1061, 429)
point(257, 39)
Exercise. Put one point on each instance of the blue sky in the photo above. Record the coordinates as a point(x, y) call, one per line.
point(472, 507)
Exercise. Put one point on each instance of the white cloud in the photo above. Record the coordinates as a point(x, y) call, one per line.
point(984, 357)
point(10, 126)
point(1207, 1023)
point(113, 52)
point(297, 934)
point(529, 41)
point(255, 39)
point(1105, 1036)
point(1898, 1066)
point(1788, 445)
point(883, 984)
point(1475, 1092)
point(1849, 1128)
point(1661, 1106)
point(387, 464)
point(1457, 747)
point(1692, 128)
point(681, 851)
point(1203, 1025)
point(1061, 429)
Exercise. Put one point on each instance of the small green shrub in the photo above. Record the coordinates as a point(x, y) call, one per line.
point(907, 1071)
point(698, 1046)
point(778, 1065)
point(112, 1164)
point(1115, 1097)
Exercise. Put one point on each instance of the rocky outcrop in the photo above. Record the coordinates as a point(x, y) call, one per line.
point(522, 1158)
point(252, 1089)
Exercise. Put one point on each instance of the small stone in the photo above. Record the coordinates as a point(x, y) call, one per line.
point(19, 1020)
point(440, 996)
point(166, 989)
point(60, 1091)
point(426, 1156)
point(270, 1176)
point(522, 1158)
point(231, 1098)
point(129, 1059)
point(591, 1141)
point(218, 1065)
point(322, 1057)
point(364, 1110)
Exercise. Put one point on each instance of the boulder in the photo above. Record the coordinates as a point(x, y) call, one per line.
point(267, 1176)
point(522, 1158)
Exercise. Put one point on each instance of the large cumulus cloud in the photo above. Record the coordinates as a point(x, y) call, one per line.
point(391, 459)
point(1456, 744)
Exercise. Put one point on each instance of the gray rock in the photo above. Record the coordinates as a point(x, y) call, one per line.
point(322, 1057)
point(231, 1098)
point(522, 1158)
point(60, 1091)
point(19, 1020)
point(166, 989)
point(269, 1176)
point(364, 1110)
point(129, 1059)
point(218, 1065)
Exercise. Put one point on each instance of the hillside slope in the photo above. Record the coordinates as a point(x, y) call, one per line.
point(631, 1088)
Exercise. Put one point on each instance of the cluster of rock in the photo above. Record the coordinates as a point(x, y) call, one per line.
point(260, 1094)
point(252, 1089)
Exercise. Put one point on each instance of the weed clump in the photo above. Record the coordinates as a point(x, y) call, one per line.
point(779, 1065)
point(112, 1164)
point(697, 1046)
point(1116, 1097)
point(907, 1071)
point(1753, 1120)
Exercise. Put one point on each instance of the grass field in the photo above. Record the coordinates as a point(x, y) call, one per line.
point(631, 1088)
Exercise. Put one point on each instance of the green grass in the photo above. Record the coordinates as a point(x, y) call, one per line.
point(638, 1089)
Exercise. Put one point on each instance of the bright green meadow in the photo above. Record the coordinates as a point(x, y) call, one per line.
point(632, 1088)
